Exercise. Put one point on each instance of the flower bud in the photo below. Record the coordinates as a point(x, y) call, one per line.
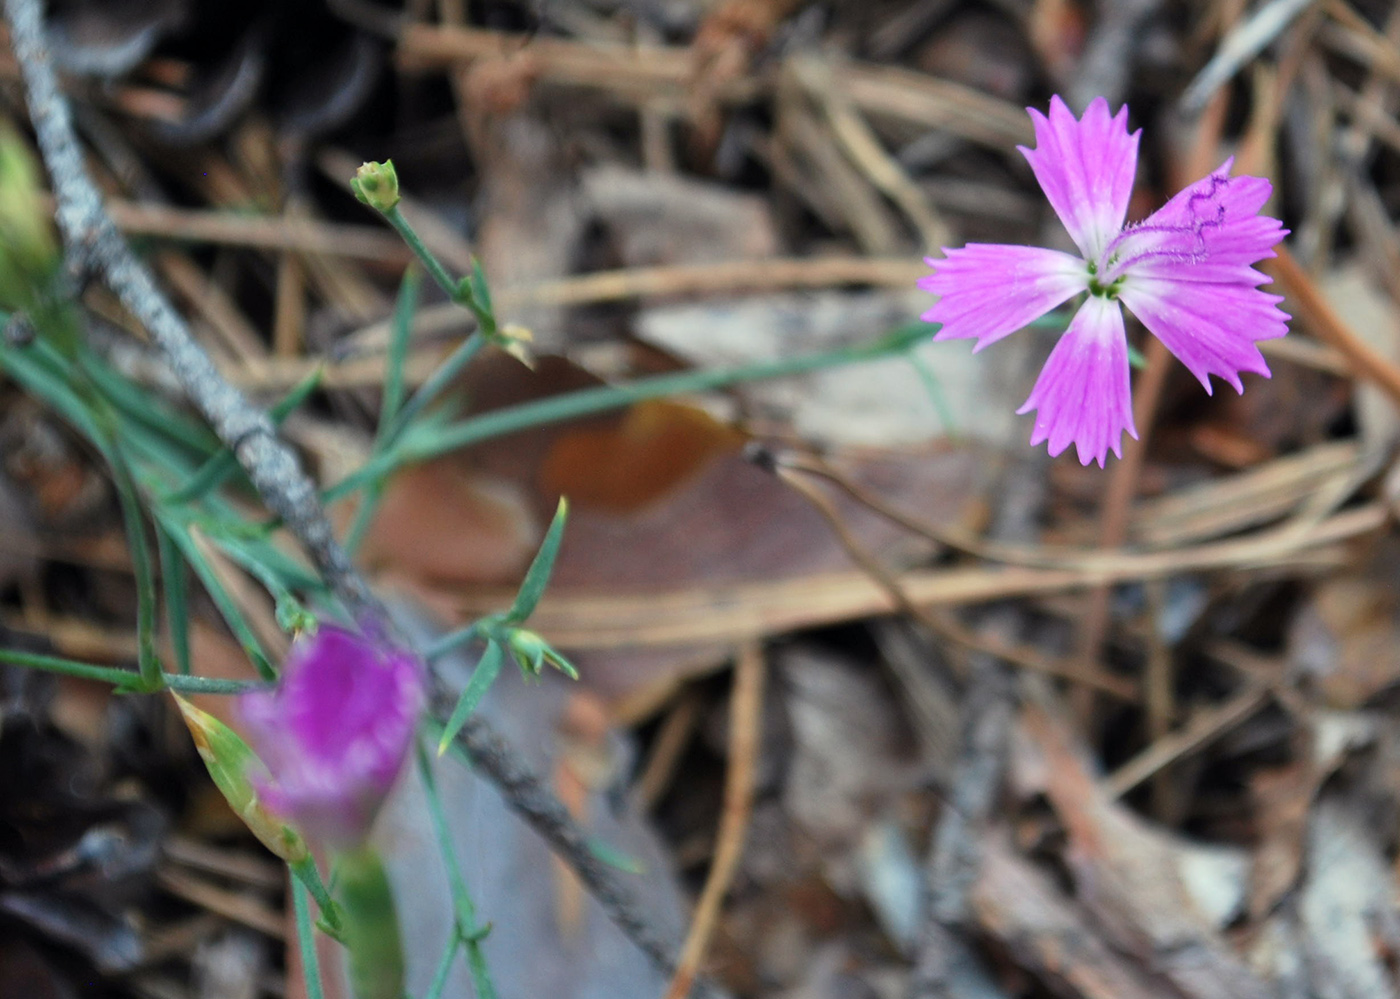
point(237, 773)
point(377, 185)
point(531, 652)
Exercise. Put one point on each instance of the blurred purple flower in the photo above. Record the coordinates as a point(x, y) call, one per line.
point(335, 731)
point(1186, 272)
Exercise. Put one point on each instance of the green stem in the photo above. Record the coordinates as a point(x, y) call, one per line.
point(449, 954)
point(364, 516)
point(404, 307)
point(125, 678)
point(306, 940)
point(465, 928)
point(306, 872)
point(172, 577)
point(210, 685)
point(141, 567)
point(420, 249)
point(221, 466)
point(68, 667)
point(498, 423)
point(439, 380)
point(452, 640)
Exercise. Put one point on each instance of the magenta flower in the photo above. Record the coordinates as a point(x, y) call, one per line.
point(1186, 272)
point(335, 731)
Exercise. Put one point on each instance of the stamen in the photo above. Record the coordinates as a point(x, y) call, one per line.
point(1196, 226)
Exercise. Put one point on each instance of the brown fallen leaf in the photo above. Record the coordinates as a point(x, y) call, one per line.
point(662, 501)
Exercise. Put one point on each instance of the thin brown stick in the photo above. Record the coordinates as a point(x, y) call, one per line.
point(1160, 697)
point(735, 612)
point(1205, 727)
point(303, 235)
point(945, 624)
point(745, 730)
point(666, 752)
point(661, 78)
point(722, 277)
point(1365, 361)
point(238, 907)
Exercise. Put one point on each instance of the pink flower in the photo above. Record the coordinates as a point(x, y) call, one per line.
point(1186, 272)
point(335, 731)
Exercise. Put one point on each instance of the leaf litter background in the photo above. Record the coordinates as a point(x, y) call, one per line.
point(1026, 729)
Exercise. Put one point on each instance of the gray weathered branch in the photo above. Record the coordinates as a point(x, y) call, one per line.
point(93, 244)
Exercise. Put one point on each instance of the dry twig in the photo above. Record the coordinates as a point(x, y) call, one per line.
point(745, 725)
point(94, 244)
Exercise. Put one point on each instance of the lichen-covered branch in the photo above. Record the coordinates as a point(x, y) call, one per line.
point(94, 246)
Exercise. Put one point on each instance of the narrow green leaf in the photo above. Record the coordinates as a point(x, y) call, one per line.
point(148, 661)
point(487, 669)
point(145, 407)
point(455, 639)
point(364, 516)
point(934, 388)
point(537, 577)
point(425, 441)
point(436, 383)
point(260, 551)
point(43, 374)
point(223, 600)
point(177, 617)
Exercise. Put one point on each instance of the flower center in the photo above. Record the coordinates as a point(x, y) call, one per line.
point(1101, 289)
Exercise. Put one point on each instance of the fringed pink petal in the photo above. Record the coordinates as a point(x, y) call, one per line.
point(1084, 395)
point(335, 731)
point(1086, 168)
point(1210, 232)
point(1211, 328)
point(988, 291)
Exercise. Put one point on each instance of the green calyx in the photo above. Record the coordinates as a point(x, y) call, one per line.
point(377, 185)
point(371, 925)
